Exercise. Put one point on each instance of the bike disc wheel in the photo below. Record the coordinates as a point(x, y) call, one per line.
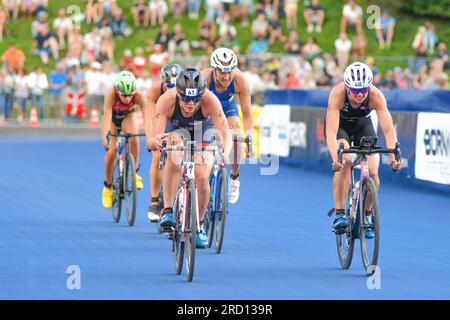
point(221, 210)
point(130, 191)
point(369, 247)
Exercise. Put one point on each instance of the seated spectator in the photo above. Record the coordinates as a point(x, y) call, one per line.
point(92, 41)
point(107, 46)
point(331, 68)
point(431, 38)
point(400, 78)
point(47, 44)
point(62, 26)
point(75, 42)
point(444, 55)
point(12, 9)
point(229, 41)
point(144, 82)
point(141, 13)
point(311, 49)
point(164, 37)
point(95, 86)
point(157, 60)
point(314, 14)
point(275, 30)
point(40, 5)
point(39, 23)
point(260, 26)
point(106, 8)
point(3, 19)
point(343, 46)
point(225, 25)
point(104, 27)
point(139, 61)
point(352, 15)
point(57, 80)
point(92, 11)
point(14, 57)
point(21, 92)
point(207, 32)
point(118, 23)
point(290, 9)
point(126, 63)
point(27, 8)
point(359, 45)
point(419, 47)
point(258, 45)
point(38, 82)
point(193, 9)
point(214, 9)
point(293, 45)
point(179, 42)
point(159, 10)
point(244, 8)
point(177, 8)
point(384, 28)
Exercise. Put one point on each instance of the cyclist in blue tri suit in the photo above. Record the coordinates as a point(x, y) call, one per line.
point(192, 108)
point(348, 114)
point(225, 80)
point(167, 81)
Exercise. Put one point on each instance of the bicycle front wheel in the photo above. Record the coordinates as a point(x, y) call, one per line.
point(369, 231)
point(130, 191)
point(191, 229)
point(209, 216)
point(221, 210)
point(117, 191)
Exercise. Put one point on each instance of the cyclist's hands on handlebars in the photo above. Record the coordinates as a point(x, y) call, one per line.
point(106, 142)
point(336, 166)
point(155, 143)
point(396, 165)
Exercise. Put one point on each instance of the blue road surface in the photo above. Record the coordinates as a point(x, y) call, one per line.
point(278, 242)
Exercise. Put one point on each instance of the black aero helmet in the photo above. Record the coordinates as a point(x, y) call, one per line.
point(191, 85)
point(169, 73)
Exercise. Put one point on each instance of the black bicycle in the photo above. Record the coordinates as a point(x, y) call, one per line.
point(217, 210)
point(124, 177)
point(363, 213)
point(185, 208)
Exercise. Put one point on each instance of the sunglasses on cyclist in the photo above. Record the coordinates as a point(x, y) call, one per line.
point(357, 91)
point(191, 95)
point(126, 95)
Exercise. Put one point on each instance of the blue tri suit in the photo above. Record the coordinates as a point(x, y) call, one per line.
point(226, 98)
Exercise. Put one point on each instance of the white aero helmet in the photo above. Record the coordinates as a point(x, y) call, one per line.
point(223, 59)
point(358, 76)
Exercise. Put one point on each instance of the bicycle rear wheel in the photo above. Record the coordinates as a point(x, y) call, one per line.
point(209, 216)
point(130, 191)
point(369, 247)
point(178, 244)
point(221, 209)
point(191, 229)
point(117, 191)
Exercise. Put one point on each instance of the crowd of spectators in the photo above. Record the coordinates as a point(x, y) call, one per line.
point(85, 63)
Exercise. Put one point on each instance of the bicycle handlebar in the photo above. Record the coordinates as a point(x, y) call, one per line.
point(123, 135)
point(247, 140)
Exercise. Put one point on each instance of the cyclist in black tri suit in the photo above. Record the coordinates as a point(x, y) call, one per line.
point(348, 116)
point(192, 111)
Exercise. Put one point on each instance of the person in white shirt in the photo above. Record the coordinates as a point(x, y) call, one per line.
point(343, 46)
point(352, 15)
point(158, 10)
point(95, 81)
point(62, 26)
point(21, 92)
point(38, 82)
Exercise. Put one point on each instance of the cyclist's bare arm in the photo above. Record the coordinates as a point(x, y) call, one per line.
point(242, 88)
point(335, 101)
point(141, 101)
point(213, 108)
point(107, 114)
point(164, 108)
point(379, 103)
point(152, 97)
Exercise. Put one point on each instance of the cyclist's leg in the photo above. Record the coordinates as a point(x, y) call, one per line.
point(111, 155)
point(155, 175)
point(130, 125)
point(171, 173)
point(237, 150)
point(203, 166)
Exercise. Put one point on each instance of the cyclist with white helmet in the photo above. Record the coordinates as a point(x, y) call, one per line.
point(189, 109)
point(348, 116)
point(119, 111)
point(168, 76)
point(225, 80)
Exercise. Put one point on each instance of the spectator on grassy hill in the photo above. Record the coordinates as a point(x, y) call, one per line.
point(244, 8)
point(47, 44)
point(106, 8)
point(141, 13)
point(27, 8)
point(157, 60)
point(359, 46)
point(177, 8)
point(62, 25)
point(92, 11)
point(158, 12)
point(118, 24)
point(179, 42)
point(352, 15)
point(14, 56)
point(75, 42)
point(384, 29)
point(139, 61)
point(107, 45)
point(12, 8)
point(40, 5)
point(126, 63)
point(207, 32)
point(3, 19)
point(314, 14)
point(444, 55)
point(311, 48)
point(419, 47)
point(260, 26)
point(214, 9)
point(275, 30)
point(431, 38)
point(343, 46)
point(293, 45)
point(91, 46)
point(193, 9)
